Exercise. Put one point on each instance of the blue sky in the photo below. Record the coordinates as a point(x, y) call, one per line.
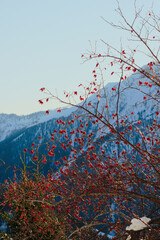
point(41, 42)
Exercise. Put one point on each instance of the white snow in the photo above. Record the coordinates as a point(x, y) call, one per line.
point(10, 123)
point(138, 224)
point(100, 233)
point(129, 237)
point(131, 99)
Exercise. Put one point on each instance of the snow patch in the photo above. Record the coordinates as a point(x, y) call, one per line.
point(129, 237)
point(138, 224)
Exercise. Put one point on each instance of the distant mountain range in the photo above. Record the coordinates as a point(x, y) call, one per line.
point(19, 132)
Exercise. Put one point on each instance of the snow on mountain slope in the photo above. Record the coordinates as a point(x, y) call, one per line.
point(22, 131)
point(10, 123)
point(132, 95)
point(131, 100)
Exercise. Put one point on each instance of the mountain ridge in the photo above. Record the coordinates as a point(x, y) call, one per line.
point(18, 134)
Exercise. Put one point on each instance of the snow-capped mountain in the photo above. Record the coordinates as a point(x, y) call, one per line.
point(11, 123)
point(137, 101)
point(130, 98)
